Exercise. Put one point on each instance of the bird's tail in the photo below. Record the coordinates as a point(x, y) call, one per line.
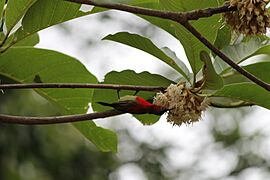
point(105, 104)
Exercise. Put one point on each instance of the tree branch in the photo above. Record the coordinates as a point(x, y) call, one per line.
point(225, 58)
point(78, 85)
point(57, 119)
point(175, 16)
point(182, 18)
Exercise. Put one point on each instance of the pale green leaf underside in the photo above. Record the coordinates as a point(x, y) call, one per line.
point(180, 63)
point(262, 50)
point(238, 53)
point(248, 92)
point(26, 65)
point(239, 87)
point(260, 70)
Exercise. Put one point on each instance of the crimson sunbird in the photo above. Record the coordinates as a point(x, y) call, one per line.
point(135, 105)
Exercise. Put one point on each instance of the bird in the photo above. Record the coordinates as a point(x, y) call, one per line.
point(135, 105)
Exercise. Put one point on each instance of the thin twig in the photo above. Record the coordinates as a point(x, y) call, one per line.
point(175, 16)
point(81, 85)
point(225, 58)
point(57, 119)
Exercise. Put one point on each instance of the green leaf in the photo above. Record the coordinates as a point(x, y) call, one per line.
point(29, 41)
point(260, 70)
point(188, 76)
point(15, 11)
point(248, 92)
point(223, 37)
point(225, 102)
point(146, 45)
point(212, 80)
point(238, 53)
point(208, 27)
point(115, 1)
point(192, 45)
point(129, 77)
point(263, 50)
point(104, 139)
point(46, 13)
point(2, 4)
point(28, 65)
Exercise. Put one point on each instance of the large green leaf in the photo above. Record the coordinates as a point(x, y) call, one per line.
point(260, 70)
point(115, 1)
point(130, 78)
point(223, 37)
point(29, 41)
point(208, 27)
point(146, 45)
point(263, 50)
point(104, 139)
point(28, 65)
point(212, 80)
point(2, 4)
point(248, 92)
point(238, 53)
point(15, 11)
point(46, 13)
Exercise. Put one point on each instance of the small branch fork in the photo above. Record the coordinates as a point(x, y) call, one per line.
point(180, 17)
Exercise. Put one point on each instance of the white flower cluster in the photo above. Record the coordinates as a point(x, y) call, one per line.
point(184, 106)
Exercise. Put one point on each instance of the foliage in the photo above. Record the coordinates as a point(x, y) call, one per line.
point(21, 62)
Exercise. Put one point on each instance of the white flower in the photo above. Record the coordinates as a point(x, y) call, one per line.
point(184, 105)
